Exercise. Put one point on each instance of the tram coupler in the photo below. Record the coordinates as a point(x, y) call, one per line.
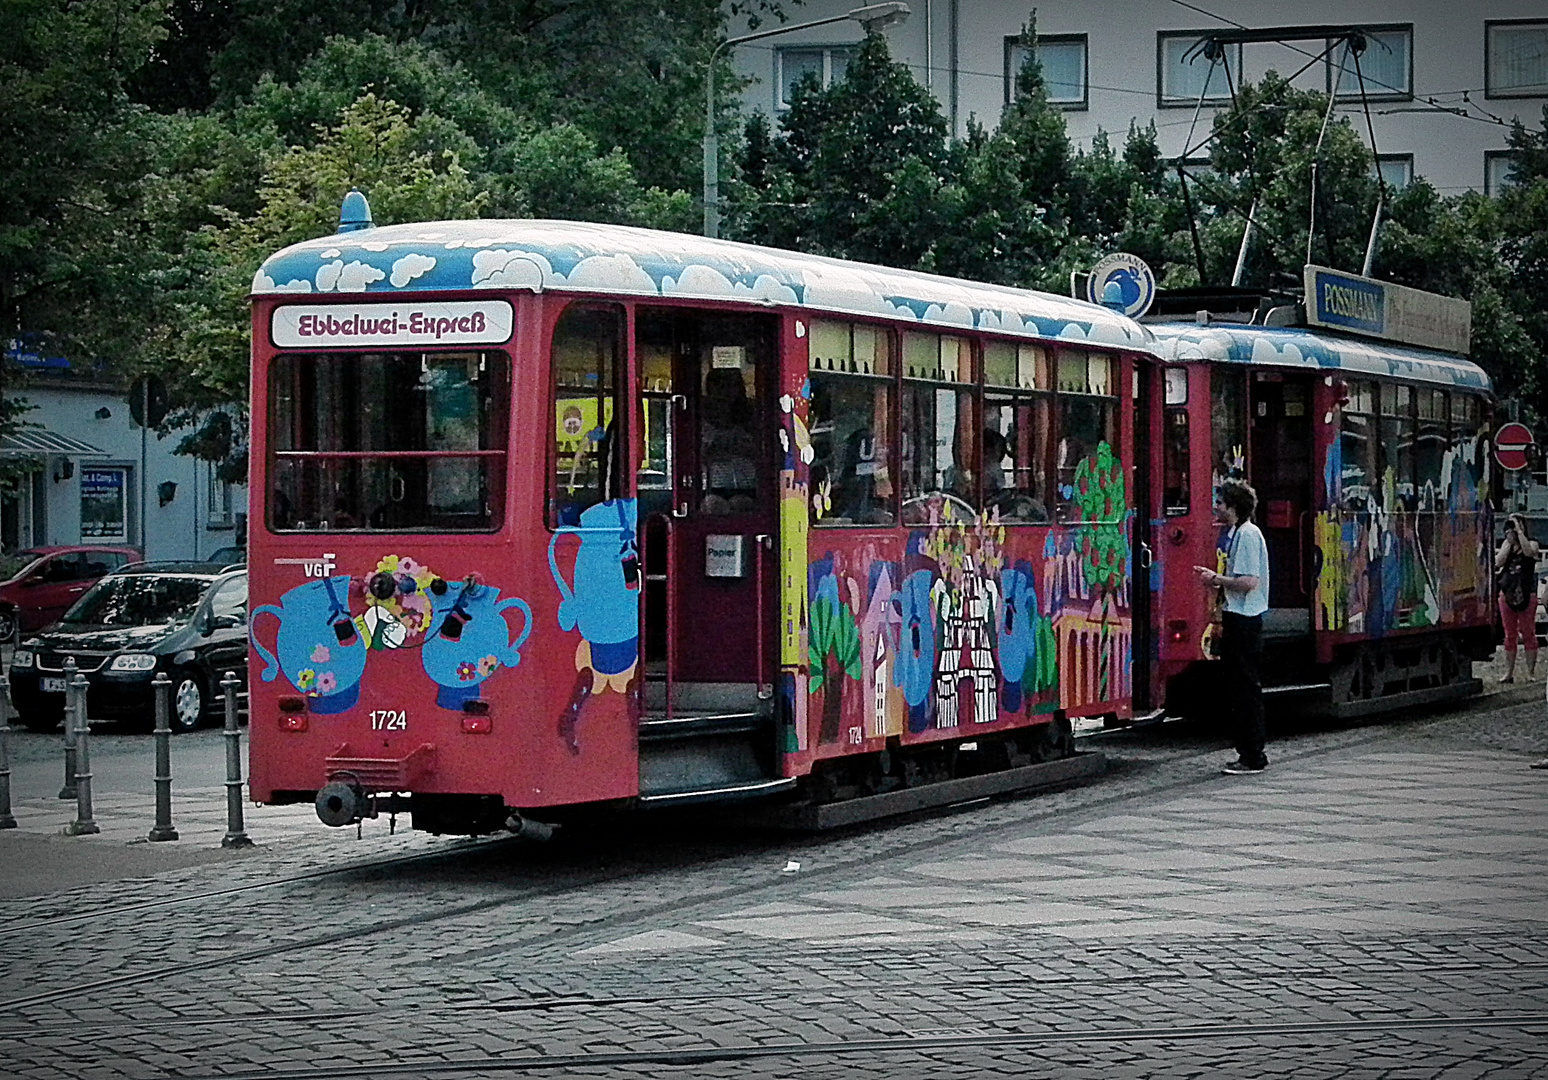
point(340, 803)
point(528, 829)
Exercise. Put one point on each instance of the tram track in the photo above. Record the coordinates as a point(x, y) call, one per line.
point(770, 995)
point(1102, 798)
point(969, 1041)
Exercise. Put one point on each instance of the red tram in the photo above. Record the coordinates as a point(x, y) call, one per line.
point(551, 514)
point(554, 513)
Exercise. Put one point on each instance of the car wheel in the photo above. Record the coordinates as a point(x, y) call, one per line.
point(187, 702)
point(39, 723)
point(7, 626)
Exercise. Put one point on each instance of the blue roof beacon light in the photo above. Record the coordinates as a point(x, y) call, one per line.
point(355, 213)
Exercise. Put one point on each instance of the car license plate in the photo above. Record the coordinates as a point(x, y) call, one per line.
point(51, 686)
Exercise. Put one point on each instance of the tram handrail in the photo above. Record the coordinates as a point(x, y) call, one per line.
point(760, 542)
point(667, 521)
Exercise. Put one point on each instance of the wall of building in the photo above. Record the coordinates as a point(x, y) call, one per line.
point(1121, 35)
point(185, 527)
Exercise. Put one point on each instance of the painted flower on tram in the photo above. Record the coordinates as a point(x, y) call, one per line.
point(487, 666)
point(467, 671)
point(327, 683)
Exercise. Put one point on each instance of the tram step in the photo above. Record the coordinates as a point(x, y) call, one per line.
point(679, 726)
point(752, 790)
point(699, 697)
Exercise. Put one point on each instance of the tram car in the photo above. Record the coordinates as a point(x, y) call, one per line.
point(1371, 462)
point(551, 514)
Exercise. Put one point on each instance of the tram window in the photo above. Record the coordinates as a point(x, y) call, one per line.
point(851, 423)
point(938, 432)
point(1430, 448)
point(1016, 365)
point(1016, 455)
point(1175, 494)
point(1395, 448)
point(587, 354)
point(1357, 447)
point(1228, 425)
point(349, 434)
point(1085, 422)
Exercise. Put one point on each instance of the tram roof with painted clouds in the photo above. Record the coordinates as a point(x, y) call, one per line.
point(616, 259)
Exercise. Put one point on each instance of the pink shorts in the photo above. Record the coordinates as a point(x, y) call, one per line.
point(1520, 623)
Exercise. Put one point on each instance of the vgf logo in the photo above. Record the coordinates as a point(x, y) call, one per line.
point(318, 568)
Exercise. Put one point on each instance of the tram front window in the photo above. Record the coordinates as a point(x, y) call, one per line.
point(388, 441)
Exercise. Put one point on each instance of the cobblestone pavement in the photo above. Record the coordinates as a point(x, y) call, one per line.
point(1374, 905)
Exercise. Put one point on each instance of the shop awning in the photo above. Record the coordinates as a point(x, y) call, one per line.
point(43, 441)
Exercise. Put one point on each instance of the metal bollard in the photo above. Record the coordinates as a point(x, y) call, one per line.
point(236, 836)
point(83, 825)
point(68, 790)
point(162, 687)
point(7, 820)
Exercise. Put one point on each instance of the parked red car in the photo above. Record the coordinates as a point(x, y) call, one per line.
point(45, 581)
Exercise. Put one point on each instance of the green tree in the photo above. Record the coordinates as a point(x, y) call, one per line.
point(855, 170)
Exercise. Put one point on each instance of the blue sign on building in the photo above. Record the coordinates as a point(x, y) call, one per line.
point(1348, 302)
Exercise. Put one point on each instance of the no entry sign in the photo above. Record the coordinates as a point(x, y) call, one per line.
point(1512, 445)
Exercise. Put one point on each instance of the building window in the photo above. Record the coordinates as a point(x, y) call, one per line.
point(1063, 58)
point(851, 424)
point(105, 506)
point(1387, 65)
point(1499, 171)
point(826, 63)
point(1516, 59)
point(1395, 170)
point(217, 502)
point(1183, 73)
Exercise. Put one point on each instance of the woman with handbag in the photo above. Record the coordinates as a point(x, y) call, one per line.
point(1516, 565)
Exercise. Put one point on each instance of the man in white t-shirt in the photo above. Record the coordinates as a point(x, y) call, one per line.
point(1245, 586)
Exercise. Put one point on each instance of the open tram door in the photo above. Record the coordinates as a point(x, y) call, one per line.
point(709, 511)
point(1280, 467)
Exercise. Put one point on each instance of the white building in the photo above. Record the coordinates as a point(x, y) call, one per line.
point(1444, 78)
point(104, 479)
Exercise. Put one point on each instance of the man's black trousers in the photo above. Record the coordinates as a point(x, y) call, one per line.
point(1241, 648)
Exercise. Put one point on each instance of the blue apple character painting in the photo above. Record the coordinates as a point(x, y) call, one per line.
point(604, 604)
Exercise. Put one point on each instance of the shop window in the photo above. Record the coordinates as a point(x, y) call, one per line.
point(586, 455)
point(105, 505)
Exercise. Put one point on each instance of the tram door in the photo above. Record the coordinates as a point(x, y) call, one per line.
point(707, 476)
point(1280, 419)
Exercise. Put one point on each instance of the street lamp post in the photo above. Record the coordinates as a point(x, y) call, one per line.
point(873, 17)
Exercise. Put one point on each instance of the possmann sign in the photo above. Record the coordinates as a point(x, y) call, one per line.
point(332, 326)
point(1380, 309)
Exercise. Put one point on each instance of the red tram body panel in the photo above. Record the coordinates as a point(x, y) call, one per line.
point(555, 513)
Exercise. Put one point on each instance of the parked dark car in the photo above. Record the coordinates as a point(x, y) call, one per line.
point(40, 584)
point(187, 619)
point(228, 556)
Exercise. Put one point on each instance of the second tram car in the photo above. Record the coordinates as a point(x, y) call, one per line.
point(552, 513)
point(1371, 461)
